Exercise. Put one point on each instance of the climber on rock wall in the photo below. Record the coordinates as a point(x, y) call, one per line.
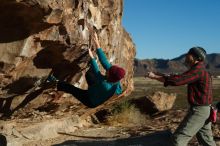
point(100, 87)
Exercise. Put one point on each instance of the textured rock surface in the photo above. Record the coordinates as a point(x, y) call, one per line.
point(40, 36)
point(19, 135)
point(162, 101)
point(155, 102)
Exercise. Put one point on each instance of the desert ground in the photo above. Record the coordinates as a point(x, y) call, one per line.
point(123, 120)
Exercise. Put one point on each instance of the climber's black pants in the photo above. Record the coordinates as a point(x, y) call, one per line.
point(80, 94)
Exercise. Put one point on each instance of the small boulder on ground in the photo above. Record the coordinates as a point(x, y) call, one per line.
point(155, 102)
point(161, 101)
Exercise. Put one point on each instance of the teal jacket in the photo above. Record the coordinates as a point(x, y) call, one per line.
point(102, 90)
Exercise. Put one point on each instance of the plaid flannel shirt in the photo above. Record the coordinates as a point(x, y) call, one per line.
point(199, 84)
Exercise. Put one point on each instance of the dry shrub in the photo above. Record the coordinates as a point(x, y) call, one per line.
point(126, 114)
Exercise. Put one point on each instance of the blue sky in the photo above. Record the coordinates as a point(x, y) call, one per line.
point(168, 28)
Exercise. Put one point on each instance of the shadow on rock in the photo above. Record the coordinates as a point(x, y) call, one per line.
point(60, 59)
point(162, 138)
point(144, 105)
point(19, 21)
point(20, 86)
point(3, 140)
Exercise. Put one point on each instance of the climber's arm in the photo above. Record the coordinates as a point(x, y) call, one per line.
point(101, 55)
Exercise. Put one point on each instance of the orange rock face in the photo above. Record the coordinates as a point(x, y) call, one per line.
point(42, 36)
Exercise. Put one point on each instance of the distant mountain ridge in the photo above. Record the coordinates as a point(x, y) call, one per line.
point(141, 66)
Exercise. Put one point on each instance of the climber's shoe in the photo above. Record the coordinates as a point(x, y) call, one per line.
point(52, 78)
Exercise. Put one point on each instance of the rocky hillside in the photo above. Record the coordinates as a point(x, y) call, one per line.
point(174, 65)
point(43, 36)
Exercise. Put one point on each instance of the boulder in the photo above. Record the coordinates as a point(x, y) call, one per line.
point(155, 102)
point(43, 36)
point(161, 101)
